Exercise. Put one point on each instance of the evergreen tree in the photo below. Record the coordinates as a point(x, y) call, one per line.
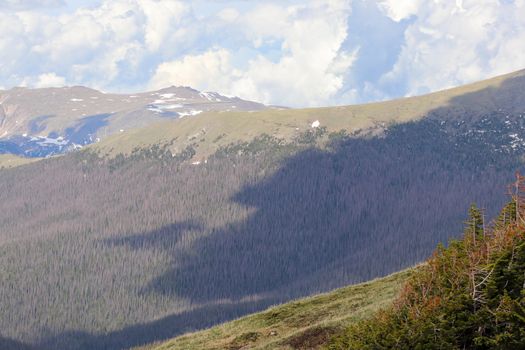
point(475, 226)
point(470, 295)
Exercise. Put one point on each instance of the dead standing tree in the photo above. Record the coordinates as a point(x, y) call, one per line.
point(518, 197)
point(482, 248)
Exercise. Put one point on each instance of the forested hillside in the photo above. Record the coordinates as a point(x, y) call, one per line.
point(124, 251)
point(470, 295)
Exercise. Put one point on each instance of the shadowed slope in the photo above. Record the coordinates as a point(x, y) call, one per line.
point(105, 246)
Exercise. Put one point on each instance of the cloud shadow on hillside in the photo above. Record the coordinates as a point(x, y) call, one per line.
point(361, 209)
point(86, 128)
point(149, 332)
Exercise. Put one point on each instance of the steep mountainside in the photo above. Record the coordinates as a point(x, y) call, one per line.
point(42, 122)
point(122, 250)
point(470, 295)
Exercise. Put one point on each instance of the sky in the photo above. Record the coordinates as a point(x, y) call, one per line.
point(293, 53)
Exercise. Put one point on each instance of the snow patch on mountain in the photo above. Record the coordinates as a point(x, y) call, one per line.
point(211, 96)
point(189, 113)
point(172, 106)
point(37, 146)
point(47, 121)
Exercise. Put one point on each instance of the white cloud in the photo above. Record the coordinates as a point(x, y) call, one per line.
point(228, 14)
point(205, 71)
point(29, 4)
point(95, 46)
point(296, 53)
point(309, 73)
point(400, 9)
point(9, 45)
point(50, 80)
point(452, 43)
point(162, 16)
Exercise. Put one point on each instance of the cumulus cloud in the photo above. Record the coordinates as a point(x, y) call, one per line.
point(400, 9)
point(452, 43)
point(206, 71)
point(309, 71)
point(29, 4)
point(162, 16)
point(50, 80)
point(97, 46)
point(228, 14)
point(295, 53)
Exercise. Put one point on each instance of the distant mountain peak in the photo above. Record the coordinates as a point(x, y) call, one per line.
point(80, 115)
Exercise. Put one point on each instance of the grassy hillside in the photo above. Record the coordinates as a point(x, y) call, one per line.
point(11, 161)
point(301, 324)
point(209, 131)
point(81, 115)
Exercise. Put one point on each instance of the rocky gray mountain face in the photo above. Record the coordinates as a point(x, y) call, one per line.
point(44, 122)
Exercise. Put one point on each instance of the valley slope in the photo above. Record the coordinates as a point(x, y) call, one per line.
point(469, 295)
point(182, 225)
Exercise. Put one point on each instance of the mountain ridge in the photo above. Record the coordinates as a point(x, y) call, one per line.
point(209, 131)
point(47, 121)
point(124, 122)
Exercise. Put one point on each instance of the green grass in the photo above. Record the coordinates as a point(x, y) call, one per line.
point(11, 161)
point(302, 324)
point(209, 131)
